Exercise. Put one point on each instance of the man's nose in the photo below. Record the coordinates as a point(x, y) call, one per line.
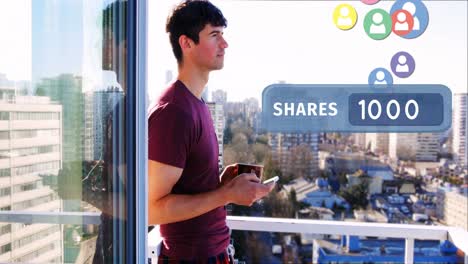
point(224, 43)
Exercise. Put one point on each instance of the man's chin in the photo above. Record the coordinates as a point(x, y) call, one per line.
point(217, 67)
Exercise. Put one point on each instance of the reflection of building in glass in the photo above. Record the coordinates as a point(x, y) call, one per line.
point(377, 142)
point(88, 132)
point(66, 89)
point(104, 102)
point(30, 158)
point(414, 146)
point(296, 154)
point(460, 128)
point(217, 114)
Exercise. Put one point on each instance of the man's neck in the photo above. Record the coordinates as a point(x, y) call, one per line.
point(194, 79)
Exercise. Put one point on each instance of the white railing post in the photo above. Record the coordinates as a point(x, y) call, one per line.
point(409, 251)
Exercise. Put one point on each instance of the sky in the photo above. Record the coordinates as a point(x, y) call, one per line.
point(297, 42)
point(269, 41)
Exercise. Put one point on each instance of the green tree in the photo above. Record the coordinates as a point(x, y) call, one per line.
point(271, 169)
point(356, 195)
point(262, 139)
point(277, 206)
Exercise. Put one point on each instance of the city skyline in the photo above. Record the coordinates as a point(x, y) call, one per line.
point(73, 138)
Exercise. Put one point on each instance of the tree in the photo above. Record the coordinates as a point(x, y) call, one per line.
point(356, 195)
point(276, 206)
point(262, 139)
point(293, 199)
point(260, 151)
point(299, 161)
point(271, 169)
point(238, 151)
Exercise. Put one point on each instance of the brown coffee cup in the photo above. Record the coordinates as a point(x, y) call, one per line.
point(249, 168)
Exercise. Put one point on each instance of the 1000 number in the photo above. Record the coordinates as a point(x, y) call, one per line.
point(374, 109)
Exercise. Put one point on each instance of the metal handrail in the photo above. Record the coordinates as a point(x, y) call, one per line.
point(64, 218)
point(408, 232)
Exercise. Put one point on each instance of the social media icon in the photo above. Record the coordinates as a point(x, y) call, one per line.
point(370, 2)
point(402, 22)
point(402, 64)
point(378, 24)
point(380, 77)
point(419, 13)
point(345, 16)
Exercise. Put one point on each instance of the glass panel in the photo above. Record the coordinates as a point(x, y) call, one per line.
point(48, 243)
point(405, 178)
point(63, 81)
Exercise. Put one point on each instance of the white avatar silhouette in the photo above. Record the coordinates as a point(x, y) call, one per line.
point(343, 19)
point(380, 78)
point(411, 8)
point(402, 66)
point(377, 26)
point(401, 23)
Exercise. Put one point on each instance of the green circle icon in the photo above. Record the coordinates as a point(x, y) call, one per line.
point(378, 24)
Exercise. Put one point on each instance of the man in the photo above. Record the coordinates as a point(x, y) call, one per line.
point(186, 193)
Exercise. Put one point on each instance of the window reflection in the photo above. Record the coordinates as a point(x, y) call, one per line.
point(62, 132)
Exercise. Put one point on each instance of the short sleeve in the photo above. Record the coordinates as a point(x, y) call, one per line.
point(170, 134)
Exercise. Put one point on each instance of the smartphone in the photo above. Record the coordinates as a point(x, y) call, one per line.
point(271, 180)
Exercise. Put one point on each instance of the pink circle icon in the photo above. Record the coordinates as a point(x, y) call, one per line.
point(370, 2)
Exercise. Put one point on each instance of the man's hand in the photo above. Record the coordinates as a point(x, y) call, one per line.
point(245, 189)
point(229, 173)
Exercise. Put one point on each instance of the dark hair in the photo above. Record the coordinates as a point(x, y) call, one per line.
point(189, 18)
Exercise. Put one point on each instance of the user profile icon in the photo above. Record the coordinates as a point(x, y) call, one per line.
point(418, 12)
point(378, 24)
point(345, 16)
point(370, 2)
point(402, 22)
point(402, 64)
point(380, 77)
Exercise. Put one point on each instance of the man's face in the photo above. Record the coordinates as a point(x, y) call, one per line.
point(208, 54)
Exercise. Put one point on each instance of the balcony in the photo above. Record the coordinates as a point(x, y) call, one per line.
point(409, 233)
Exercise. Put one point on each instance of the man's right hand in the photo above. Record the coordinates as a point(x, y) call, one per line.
point(245, 189)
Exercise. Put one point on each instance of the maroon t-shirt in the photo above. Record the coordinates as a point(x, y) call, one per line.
point(181, 134)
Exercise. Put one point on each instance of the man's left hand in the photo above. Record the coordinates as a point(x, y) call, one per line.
point(229, 173)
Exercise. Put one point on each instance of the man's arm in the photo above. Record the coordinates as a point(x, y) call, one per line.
point(164, 207)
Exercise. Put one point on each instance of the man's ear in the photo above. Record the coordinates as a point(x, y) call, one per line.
point(185, 42)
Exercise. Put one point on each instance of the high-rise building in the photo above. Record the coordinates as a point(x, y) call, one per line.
point(460, 129)
point(217, 114)
point(66, 89)
point(452, 206)
point(88, 128)
point(106, 103)
point(414, 146)
point(360, 140)
point(295, 153)
point(377, 142)
point(219, 97)
point(30, 160)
